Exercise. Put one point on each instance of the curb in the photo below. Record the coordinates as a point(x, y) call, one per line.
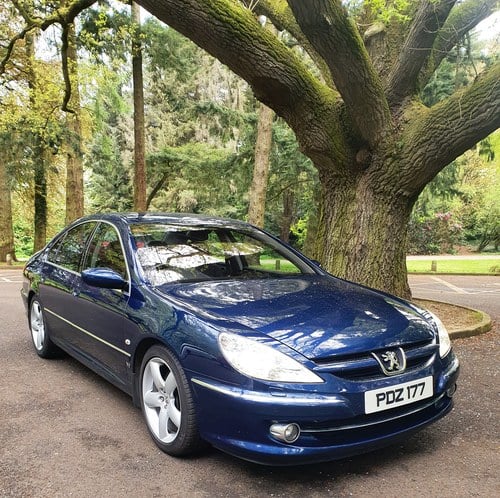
point(481, 328)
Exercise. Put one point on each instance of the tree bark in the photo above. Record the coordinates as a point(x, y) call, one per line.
point(258, 188)
point(335, 37)
point(429, 18)
point(288, 214)
point(362, 232)
point(40, 199)
point(140, 198)
point(6, 227)
point(74, 156)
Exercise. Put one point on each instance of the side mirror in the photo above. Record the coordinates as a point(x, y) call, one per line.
point(104, 278)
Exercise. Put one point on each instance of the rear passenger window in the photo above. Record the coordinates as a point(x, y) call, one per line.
point(69, 250)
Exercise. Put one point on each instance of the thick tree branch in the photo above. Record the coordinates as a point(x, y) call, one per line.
point(277, 76)
point(429, 18)
point(281, 16)
point(10, 48)
point(452, 127)
point(333, 34)
point(463, 18)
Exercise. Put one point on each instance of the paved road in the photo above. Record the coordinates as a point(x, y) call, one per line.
point(480, 292)
point(65, 432)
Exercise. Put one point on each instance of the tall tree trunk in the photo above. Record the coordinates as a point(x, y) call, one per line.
point(40, 218)
point(257, 194)
point(39, 157)
point(362, 234)
point(140, 199)
point(74, 157)
point(288, 212)
point(6, 228)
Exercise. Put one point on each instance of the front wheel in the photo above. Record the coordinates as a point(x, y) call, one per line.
point(44, 347)
point(167, 403)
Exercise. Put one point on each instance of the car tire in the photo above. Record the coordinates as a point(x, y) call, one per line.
point(42, 343)
point(167, 403)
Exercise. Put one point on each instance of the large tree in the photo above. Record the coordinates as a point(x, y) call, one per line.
point(353, 106)
point(139, 127)
point(358, 116)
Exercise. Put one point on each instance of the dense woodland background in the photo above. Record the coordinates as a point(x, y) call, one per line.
point(67, 142)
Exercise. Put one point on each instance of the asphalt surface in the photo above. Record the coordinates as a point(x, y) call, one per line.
point(479, 292)
point(65, 432)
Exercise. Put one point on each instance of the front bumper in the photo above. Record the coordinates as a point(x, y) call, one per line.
point(237, 421)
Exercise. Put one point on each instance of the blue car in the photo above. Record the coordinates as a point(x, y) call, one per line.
point(224, 335)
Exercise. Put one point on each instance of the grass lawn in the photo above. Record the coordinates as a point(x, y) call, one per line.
point(464, 266)
point(284, 266)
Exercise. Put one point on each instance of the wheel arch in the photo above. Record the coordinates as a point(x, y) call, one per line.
point(31, 295)
point(142, 347)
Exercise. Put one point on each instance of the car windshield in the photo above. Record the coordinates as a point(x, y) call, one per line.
point(170, 253)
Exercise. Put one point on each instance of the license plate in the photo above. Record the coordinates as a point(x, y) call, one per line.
point(385, 398)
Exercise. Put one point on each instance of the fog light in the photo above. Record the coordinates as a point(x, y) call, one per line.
point(288, 433)
point(451, 391)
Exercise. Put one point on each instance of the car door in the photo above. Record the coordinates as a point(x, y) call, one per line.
point(100, 312)
point(60, 271)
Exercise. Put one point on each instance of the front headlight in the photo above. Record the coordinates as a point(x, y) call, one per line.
point(259, 361)
point(444, 338)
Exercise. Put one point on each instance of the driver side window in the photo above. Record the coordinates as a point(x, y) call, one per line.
point(105, 251)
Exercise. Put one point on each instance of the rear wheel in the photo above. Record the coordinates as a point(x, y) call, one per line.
point(167, 403)
point(44, 347)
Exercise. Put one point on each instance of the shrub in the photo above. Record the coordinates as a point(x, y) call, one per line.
point(435, 234)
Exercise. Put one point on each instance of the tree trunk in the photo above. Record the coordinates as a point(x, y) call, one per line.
point(74, 158)
point(39, 157)
point(257, 194)
point(40, 219)
point(140, 200)
point(362, 234)
point(6, 229)
point(288, 212)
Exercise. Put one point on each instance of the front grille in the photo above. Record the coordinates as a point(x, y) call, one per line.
point(361, 367)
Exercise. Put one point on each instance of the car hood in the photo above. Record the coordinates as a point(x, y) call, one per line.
point(318, 316)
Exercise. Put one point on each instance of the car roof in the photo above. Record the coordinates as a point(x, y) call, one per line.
point(183, 219)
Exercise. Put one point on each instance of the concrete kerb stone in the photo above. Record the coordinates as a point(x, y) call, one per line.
point(482, 327)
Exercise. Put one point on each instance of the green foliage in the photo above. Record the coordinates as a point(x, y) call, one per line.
point(292, 173)
point(105, 33)
point(435, 234)
point(109, 186)
point(469, 189)
point(197, 178)
point(380, 10)
point(457, 70)
point(299, 232)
